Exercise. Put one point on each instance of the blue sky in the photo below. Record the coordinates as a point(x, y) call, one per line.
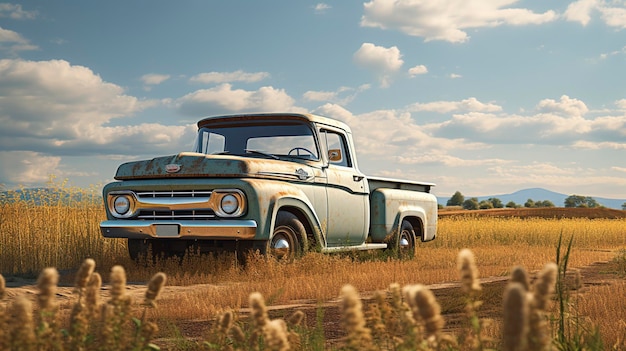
point(483, 97)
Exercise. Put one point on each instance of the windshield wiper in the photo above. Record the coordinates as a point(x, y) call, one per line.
point(262, 153)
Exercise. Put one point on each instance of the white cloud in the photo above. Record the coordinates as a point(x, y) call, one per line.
point(320, 95)
point(619, 169)
point(379, 134)
point(15, 11)
point(565, 106)
point(27, 167)
point(14, 42)
point(447, 160)
point(612, 13)
point(588, 145)
point(614, 16)
point(579, 11)
point(621, 103)
point(447, 19)
point(383, 62)
point(227, 77)
point(154, 78)
point(53, 107)
point(560, 122)
point(225, 99)
point(343, 95)
point(455, 76)
point(470, 105)
point(321, 8)
point(417, 70)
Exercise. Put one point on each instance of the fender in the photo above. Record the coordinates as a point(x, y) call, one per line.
point(276, 195)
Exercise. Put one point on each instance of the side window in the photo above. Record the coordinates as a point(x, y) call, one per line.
point(337, 151)
point(211, 143)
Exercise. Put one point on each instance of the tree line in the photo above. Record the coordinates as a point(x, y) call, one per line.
point(473, 204)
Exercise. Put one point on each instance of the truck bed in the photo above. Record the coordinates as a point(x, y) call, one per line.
point(389, 183)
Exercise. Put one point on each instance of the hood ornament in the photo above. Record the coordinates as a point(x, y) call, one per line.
point(172, 168)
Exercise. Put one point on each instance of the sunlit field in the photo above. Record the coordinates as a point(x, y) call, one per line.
point(63, 232)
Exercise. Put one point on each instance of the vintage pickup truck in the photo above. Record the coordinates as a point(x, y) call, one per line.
point(280, 183)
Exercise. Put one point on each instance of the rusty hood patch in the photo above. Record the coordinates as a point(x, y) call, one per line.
point(191, 165)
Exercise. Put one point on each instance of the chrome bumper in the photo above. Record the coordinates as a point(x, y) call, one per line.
point(141, 229)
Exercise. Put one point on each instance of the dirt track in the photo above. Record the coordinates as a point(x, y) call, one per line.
point(447, 294)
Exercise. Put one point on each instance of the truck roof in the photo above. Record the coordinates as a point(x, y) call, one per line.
point(307, 117)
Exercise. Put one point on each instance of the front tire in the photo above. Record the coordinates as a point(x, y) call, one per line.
point(287, 238)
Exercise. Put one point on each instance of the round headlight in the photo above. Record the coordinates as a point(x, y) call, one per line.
point(121, 204)
point(229, 204)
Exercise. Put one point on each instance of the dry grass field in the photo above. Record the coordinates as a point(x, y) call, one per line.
point(61, 233)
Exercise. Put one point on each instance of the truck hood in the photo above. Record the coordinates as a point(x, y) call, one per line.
point(195, 165)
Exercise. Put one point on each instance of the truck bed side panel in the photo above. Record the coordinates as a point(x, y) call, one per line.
point(389, 206)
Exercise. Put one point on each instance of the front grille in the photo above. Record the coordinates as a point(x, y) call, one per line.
point(174, 193)
point(166, 197)
point(176, 214)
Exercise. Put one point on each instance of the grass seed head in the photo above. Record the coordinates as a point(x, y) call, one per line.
point(259, 310)
point(519, 275)
point(84, 272)
point(155, 286)
point(469, 272)
point(3, 287)
point(92, 294)
point(429, 310)
point(359, 336)
point(23, 331)
point(118, 283)
point(275, 332)
point(544, 286)
point(515, 327)
point(296, 318)
point(47, 284)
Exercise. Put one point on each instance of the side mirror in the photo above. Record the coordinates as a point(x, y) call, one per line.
point(334, 155)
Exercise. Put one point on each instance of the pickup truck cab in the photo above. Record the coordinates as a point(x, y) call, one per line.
point(280, 183)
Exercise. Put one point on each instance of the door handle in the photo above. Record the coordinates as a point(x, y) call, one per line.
point(357, 178)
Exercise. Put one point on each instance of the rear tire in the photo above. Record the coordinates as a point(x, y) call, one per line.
point(404, 243)
point(287, 238)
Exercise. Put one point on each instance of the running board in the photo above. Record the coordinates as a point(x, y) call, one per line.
point(363, 247)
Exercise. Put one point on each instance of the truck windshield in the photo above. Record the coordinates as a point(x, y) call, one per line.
point(276, 140)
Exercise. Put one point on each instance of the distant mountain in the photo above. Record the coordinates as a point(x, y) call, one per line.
point(538, 194)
